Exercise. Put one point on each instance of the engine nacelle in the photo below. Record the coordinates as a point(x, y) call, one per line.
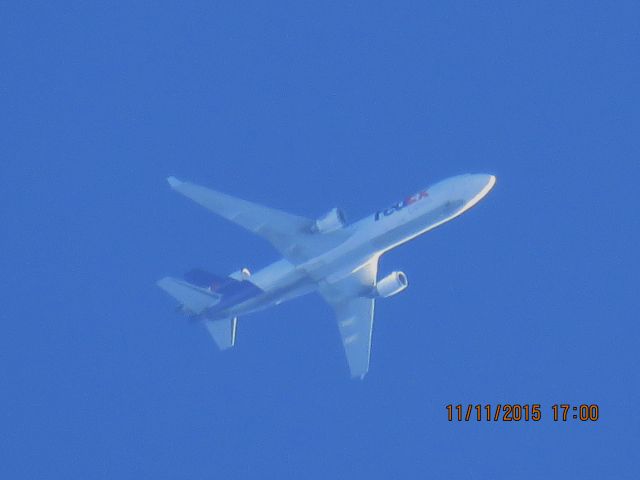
point(333, 220)
point(241, 275)
point(391, 285)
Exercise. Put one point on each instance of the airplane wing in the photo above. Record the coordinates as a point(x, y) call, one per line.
point(289, 234)
point(354, 313)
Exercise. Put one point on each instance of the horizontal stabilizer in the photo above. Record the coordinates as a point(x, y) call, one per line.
point(223, 331)
point(231, 289)
point(192, 297)
point(204, 279)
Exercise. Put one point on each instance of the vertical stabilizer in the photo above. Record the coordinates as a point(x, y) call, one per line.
point(223, 331)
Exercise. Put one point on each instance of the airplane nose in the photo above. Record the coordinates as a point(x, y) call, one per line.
point(468, 187)
point(482, 179)
point(480, 184)
point(473, 182)
point(489, 181)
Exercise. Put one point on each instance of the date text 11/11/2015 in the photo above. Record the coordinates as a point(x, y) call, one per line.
point(517, 412)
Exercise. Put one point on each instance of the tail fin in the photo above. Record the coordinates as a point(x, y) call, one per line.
point(193, 298)
point(196, 300)
point(223, 331)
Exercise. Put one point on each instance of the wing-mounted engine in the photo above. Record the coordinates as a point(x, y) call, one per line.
point(329, 222)
point(391, 285)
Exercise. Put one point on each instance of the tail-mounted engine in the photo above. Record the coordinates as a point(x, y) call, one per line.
point(391, 285)
point(241, 275)
point(331, 221)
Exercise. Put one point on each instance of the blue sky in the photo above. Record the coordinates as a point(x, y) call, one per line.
point(529, 298)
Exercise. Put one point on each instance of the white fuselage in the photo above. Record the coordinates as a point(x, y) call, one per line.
point(368, 238)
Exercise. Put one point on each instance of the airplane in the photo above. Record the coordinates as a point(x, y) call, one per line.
point(327, 256)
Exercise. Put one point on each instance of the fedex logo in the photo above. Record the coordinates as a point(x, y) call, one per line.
point(400, 205)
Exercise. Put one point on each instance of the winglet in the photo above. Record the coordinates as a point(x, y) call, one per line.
point(174, 182)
